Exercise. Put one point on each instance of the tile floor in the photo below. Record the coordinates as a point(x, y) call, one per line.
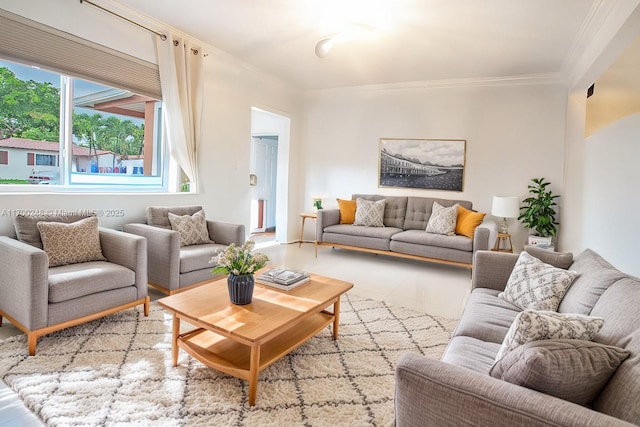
point(432, 288)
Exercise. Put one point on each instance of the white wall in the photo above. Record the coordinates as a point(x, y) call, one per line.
point(513, 133)
point(231, 89)
point(610, 210)
point(600, 184)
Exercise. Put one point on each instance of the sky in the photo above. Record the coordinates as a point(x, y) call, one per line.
point(441, 152)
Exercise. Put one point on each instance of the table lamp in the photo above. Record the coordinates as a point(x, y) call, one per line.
point(505, 207)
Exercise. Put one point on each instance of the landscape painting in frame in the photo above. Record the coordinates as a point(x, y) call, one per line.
point(433, 164)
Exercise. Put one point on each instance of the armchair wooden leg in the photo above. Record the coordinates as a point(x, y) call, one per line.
point(146, 306)
point(31, 343)
point(0, 321)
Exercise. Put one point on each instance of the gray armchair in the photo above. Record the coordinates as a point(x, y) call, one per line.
point(174, 268)
point(39, 299)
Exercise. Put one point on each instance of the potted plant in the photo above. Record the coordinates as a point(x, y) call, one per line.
point(240, 263)
point(538, 213)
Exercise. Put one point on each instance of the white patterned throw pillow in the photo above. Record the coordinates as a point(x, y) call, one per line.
point(443, 220)
point(369, 213)
point(192, 228)
point(536, 285)
point(532, 325)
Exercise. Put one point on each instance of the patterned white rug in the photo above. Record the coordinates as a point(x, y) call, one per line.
point(117, 371)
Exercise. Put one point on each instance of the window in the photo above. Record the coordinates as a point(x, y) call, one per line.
point(115, 138)
point(4, 157)
point(46, 160)
point(76, 110)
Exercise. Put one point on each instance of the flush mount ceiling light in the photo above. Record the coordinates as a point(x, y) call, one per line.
point(324, 46)
point(352, 31)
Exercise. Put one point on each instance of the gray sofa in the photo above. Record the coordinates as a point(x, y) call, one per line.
point(403, 234)
point(459, 390)
point(174, 268)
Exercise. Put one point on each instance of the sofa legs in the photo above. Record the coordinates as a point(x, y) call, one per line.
point(146, 306)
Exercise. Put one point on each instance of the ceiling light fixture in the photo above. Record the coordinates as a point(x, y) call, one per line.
point(350, 32)
point(324, 46)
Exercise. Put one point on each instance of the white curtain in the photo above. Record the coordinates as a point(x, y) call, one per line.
point(181, 75)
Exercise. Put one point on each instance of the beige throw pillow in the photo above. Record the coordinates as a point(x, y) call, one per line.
point(536, 285)
point(443, 220)
point(192, 228)
point(369, 213)
point(531, 325)
point(71, 243)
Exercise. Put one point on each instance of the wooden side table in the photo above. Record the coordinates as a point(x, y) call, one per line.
point(507, 239)
point(304, 216)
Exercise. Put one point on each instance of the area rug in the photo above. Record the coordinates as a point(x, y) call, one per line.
point(117, 371)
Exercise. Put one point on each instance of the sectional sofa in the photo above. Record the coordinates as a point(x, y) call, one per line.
point(403, 232)
point(566, 381)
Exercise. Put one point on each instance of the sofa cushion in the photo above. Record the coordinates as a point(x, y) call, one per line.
point(71, 243)
point(368, 213)
point(197, 257)
point(158, 216)
point(420, 237)
point(442, 220)
point(573, 370)
point(531, 325)
point(192, 228)
point(557, 259)
point(347, 211)
point(619, 305)
point(355, 231)
point(419, 210)
point(76, 280)
point(595, 276)
point(536, 285)
point(471, 353)
point(486, 317)
point(27, 226)
point(394, 208)
point(468, 221)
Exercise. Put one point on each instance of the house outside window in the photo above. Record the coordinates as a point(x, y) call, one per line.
point(4, 157)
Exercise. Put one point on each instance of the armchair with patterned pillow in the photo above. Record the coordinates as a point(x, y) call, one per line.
point(61, 271)
point(181, 244)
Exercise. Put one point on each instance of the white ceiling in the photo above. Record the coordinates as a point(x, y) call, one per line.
point(408, 41)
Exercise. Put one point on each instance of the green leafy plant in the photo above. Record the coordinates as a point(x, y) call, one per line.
point(537, 212)
point(239, 260)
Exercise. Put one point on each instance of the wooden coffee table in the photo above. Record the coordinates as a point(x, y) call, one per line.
point(243, 340)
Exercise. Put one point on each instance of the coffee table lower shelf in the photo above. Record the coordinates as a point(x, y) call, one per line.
point(245, 361)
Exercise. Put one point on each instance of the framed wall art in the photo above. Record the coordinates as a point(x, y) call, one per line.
point(433, 164)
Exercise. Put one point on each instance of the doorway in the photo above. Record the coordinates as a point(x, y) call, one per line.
point(269, 180)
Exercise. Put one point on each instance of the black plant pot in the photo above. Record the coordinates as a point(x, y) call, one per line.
point(240, 288)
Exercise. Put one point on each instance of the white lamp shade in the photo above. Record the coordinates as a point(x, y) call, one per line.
point(505, 206)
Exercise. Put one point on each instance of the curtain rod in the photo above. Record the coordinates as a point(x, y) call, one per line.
point(162, 36)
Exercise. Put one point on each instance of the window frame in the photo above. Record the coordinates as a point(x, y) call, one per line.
point(73, 57)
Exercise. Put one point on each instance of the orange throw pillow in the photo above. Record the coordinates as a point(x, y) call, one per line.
point(468, 221)
point(347, 211)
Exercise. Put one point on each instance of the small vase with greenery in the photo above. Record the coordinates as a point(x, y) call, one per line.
point(537, 212)
point(240, 263)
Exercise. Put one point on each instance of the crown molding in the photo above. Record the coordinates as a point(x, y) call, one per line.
point(522, 80)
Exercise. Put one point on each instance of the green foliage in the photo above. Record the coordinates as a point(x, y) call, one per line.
point(28, 109)
point(537, 212)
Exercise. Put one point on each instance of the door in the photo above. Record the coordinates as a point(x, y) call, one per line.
point(263, 192)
